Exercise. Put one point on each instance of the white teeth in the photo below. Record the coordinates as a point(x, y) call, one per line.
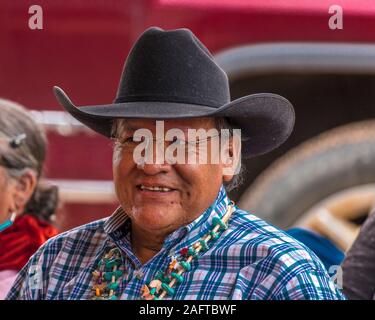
point(155, 188)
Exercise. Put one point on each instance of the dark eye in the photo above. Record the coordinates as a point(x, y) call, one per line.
point(124, 142)
point(130, 139)
point(177, 141)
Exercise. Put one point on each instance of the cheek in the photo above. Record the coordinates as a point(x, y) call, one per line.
point(122, 174)
point(214, 177)
point(203, 184)
point(121, 164)
point(201, 179)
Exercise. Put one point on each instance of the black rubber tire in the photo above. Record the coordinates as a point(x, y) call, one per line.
point(333, 161)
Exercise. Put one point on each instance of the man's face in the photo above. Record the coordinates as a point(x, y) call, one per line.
point(193, 186)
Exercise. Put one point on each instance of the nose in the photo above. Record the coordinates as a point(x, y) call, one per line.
point(154, 169)
point(157, 164)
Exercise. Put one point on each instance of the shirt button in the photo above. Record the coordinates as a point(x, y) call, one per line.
point(139, 274)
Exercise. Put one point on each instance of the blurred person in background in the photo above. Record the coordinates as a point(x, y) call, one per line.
point(26, 205)
point(359, 264)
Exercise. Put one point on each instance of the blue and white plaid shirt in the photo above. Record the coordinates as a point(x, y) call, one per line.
point(250, 260)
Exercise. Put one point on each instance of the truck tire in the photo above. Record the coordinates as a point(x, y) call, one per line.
point(333, 161)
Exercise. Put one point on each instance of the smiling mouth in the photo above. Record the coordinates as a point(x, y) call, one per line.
point(154, 188)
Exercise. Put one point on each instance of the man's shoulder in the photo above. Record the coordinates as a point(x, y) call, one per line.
point(275, 265)
point(254, 229)
point(266, 245)
point(87, 230)
point(83, 238)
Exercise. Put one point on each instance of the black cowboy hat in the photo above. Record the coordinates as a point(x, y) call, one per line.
point(171, 75)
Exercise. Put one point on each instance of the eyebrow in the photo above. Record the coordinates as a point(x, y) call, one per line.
point(130, 127)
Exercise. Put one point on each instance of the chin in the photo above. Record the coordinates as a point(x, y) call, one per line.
point(154, 218)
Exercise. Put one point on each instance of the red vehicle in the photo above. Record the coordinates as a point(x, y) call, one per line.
point(285, 47)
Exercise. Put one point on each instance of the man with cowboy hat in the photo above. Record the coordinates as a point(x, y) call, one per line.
point(176, 234)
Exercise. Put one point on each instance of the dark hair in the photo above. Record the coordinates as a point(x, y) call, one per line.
point(31, 154)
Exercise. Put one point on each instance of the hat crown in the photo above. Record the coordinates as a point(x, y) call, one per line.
point(172, 66)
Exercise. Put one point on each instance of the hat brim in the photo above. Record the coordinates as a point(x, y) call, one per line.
point(266, 120)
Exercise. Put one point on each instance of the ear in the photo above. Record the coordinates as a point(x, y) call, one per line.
point(231, 156)
point(24, 189)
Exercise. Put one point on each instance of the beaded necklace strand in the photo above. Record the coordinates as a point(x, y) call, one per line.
point(106, 287)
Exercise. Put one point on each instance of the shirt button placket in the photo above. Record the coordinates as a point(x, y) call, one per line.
point(139, 274)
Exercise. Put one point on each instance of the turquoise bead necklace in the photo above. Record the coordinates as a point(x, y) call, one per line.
point(105, 278)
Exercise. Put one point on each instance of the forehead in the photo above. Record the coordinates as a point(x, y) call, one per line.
point(191, 123)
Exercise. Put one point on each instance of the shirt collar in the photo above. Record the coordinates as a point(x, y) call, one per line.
point(117, 225)
point(115, 221)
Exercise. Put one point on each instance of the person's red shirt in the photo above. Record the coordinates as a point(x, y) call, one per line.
point(20, 241)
